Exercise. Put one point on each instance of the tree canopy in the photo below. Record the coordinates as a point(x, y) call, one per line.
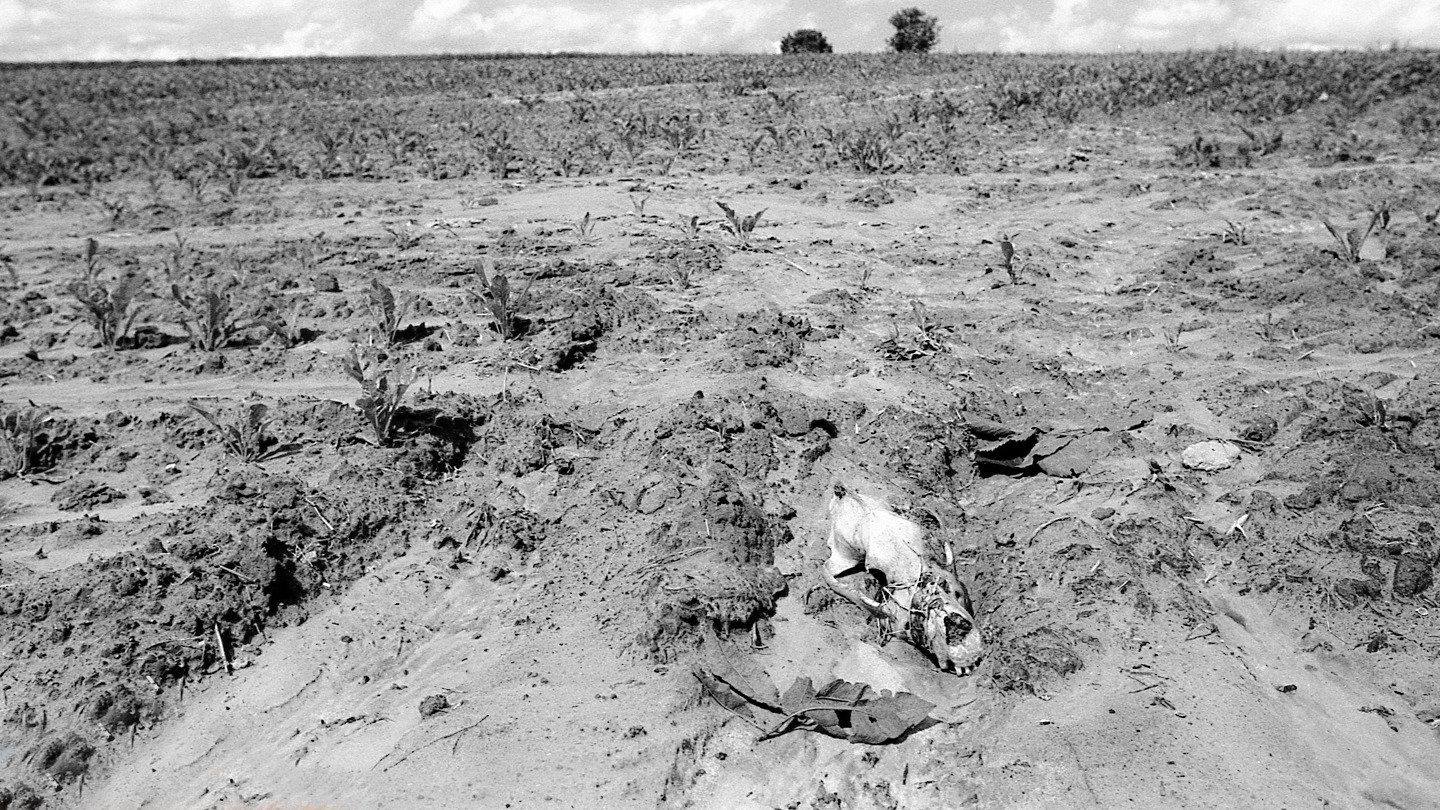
point(915, 31)
point(805, 40)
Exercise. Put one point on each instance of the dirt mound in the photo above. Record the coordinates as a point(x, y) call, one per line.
point(114, 639)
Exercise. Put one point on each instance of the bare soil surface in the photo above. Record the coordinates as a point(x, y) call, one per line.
point(503, 607)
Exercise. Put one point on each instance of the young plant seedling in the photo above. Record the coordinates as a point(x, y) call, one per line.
point(197, 178)
point(1269, 328)
point(1352, 241)
point(207, 308)
point(784, 136)
point(116, 210)
point(740, 227)
point(111, 308)
point(282, 321)
point(1235, 233)
point(401, 238)
point(1007, 257)
point(8, 263)
point(637, 203)
point(382, 390)
point(21, 438)
point(1013, 263)
point(929, 329)
point(865, 273)
point(752, 148)
point(243, 431)
point(681, 136)
point(586, 227)
point(689, 225)
point(1171, 336)
point(386, 312)
point(502, 303)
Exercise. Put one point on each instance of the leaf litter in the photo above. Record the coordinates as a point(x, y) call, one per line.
point(855, 712)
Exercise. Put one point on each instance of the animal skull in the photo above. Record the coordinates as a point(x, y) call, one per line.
point(941, 622)
point(924, 603)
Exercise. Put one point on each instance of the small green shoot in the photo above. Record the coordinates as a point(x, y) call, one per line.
point(243, 431)
point(689, 225)
point(208, 313)
point(1235, 233)
point(752, 148)
point(282, 321)
point(741, 227)
point(1007, 257)
point(22, 436)
point(111, 308)
point(585, 227)
point(402, 239)
point(386, 312)
point(8, 263)
point(502, 303)
point(1269, 328)
point(382, 390)
point(1352, 241)
point(1171, 336)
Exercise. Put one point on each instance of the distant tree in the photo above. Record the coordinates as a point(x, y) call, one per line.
point(915, 31)
point(806, 40)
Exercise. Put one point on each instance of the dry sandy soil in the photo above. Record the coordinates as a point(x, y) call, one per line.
point(505, 607)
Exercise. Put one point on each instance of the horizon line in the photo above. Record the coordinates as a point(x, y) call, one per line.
point(187, 61)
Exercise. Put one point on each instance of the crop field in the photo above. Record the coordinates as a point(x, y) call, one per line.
point(461, 432)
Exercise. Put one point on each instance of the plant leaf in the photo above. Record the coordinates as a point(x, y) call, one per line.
point(723, 693)
point(888, 717)
point(850, 711)
point(742, 674)
point(844, 692)
point(800, 694)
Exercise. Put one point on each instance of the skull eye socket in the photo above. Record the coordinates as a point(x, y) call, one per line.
point(956, 629)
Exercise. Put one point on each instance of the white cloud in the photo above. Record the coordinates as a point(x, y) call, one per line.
point(12, 13)
point(1065, 11)
point(1176, 21)
point(707, 25)
point(1069, 25)
point(702, 26)
point(15, 14)
point(1336, 23)
point(250, 9)
point(1183, 14)
point(433, 16)
point(135, 29)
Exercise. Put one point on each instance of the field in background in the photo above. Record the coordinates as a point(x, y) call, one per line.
point(216, 126)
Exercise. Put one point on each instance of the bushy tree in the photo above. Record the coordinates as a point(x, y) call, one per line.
point(805, 40)
point(915, 31)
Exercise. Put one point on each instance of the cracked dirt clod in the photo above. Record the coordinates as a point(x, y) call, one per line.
point(1414, 574)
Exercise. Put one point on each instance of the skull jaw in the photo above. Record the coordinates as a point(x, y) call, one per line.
point(962, 658)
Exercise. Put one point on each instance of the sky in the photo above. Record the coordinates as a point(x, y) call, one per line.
point(52, 30)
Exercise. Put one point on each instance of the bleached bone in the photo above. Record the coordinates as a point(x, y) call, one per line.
point(924, 603)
